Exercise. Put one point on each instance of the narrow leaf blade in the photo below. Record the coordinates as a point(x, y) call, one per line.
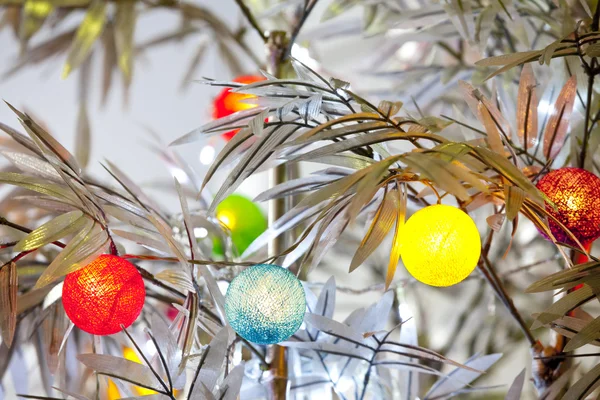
point(8, 302)
point(90, 29)
point(558, 124)
point(527, 103)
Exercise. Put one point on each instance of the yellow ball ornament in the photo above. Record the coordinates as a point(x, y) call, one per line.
point(440, 245)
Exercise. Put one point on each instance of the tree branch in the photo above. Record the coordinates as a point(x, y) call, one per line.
point(491, 276)
point(5, 222)
point(251, 19)
point(309, 6)
point(493, 279)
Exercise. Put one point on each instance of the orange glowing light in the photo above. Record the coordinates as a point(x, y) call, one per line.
point(227, 102)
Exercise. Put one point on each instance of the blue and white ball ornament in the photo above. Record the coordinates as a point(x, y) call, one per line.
point(265, 304)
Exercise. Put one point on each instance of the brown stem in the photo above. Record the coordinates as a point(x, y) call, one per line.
point(496, 283)
point(596, 19)
point(588, 108)
point(152, 279)
point(16, 258)
point(561, 356)
point(278, 384)
point(5, 222)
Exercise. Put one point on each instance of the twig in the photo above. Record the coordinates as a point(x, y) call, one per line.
point(370, 367)
point(309, 5)
point(501, 292)
point(567, 355)
point(95, 351)
point(255, 351)
point(462, 319)
point(167, 391)
point(596, 19)
point(591, 72)
point(151, 278)
point(200, 364)
point(509, 39)
point(16, 258)
point(145, 274)
point(163, 361)
point(251, 19)
point(588, 108)
point(5, 222)
point(451, 51)
point(164, 298)
point(512, 144)
point(490, 275)
point(405, 281)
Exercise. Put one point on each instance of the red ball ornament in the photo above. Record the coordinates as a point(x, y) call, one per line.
point(227, 103)
point(576, 193)
point(104, 294)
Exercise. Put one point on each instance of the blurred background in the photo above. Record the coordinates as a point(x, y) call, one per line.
point(155, 110)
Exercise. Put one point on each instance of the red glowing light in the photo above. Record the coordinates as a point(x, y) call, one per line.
point(104, 294)
point(576, 194)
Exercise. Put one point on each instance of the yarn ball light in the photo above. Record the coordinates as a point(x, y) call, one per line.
point(228, 102)
point(576, 194)
point(265, 304)
point(104, 294)
point(244, 219)
point(440, 245)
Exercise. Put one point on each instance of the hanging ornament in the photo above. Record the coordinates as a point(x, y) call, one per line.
point(244, 219)
point(440, 245)
point(227, 102)
point(172, 313)
point(131, 355)
point(104, 294)
point(576, 194)
point(113, 392)
point(265, 304)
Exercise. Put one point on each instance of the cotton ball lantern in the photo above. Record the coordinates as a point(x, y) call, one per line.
point(576, 194)
point(440, 245)
point(103, 295)
point(228, 102)
point(244, 219)
point(265, 304)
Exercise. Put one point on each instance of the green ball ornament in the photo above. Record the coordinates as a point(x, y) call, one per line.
point(265, 304)
point(244, 219)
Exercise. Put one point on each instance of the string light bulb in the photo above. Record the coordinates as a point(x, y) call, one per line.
point(244, 219)
point(576, 194)
point(228, 102)
point(265, 304)
point(440, 245)
point(103, 295)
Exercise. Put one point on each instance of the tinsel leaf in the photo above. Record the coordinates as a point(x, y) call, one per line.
point(8, 302)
